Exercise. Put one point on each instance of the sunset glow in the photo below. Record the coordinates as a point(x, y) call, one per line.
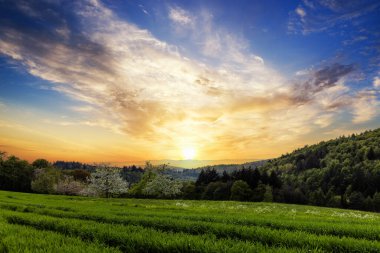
point(188, 153)
point(114, 81)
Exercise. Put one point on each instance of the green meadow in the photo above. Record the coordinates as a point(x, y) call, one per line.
point(54, 223)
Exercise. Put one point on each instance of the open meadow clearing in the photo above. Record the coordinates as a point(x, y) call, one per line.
point(40, 223)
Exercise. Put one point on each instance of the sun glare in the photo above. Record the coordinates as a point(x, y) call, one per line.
point(188, 153)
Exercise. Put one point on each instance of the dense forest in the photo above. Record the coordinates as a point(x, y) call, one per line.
point(344, 172)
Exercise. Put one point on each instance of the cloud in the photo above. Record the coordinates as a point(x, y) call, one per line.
point(180, 16)
point(321, 79)
point(140, 86)
point(143, 9)
point(376, 82)
point(323, 15)
point(365, 107)
point(301, 12)
point(309, 4)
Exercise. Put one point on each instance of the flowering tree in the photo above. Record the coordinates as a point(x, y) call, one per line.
point(107, 182)
point(45, 180)
point(68, 186)
point(162, 186)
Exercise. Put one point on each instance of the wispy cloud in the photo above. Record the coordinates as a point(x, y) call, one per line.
point(365, 106)
point(376, 82)
point(322, 15)
point(301, 12)
point(180, 16)
point(323, 78)
point(143, 9)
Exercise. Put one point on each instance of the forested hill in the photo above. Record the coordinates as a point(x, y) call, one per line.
point(344, 172)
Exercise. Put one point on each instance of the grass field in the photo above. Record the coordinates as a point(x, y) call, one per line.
point(49, 223)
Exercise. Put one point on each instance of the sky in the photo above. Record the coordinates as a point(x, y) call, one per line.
point(133, 80)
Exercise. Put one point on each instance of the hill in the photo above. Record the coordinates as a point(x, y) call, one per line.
point(344, 172)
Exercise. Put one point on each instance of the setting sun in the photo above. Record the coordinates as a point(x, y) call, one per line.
point(188, 153)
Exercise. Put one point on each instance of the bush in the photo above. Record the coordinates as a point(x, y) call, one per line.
point(45, 180)
point(15, 174)
point(240, 191)
point(69, 186)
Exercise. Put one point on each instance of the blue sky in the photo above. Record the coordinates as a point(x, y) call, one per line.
point(149, 79)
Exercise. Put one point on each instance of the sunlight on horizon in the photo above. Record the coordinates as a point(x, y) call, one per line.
point(188, 153)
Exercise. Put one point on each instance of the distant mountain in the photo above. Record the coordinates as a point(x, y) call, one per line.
point(178, 169)
point(192, 174)
point(232, 167)
point(184, 164)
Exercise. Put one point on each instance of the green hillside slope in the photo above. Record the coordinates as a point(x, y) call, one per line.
point(344, 172)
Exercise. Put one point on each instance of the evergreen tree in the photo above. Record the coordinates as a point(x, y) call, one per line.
point(207, 176)
point(240, 191)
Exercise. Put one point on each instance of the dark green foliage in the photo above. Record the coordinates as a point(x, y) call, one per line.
point(250, 176)
point(80, 175)
point(209, 191)
point(207, 176)
point(137, 190)
point(189, 190)
point(15, 174)
point(73, 166)
point(371, 154)
point(344, 172)
point(317, 198)
point(241, 191)
point(226, 177)
point(41, 163)
point(45, 180)
point(274, 180)
point(222, 191)
point(258, 193)
point(132, 174)
point(217, 191)
point(376, 201)
point(356, 200)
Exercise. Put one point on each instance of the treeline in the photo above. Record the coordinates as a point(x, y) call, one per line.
point(63, 165)
point(70, 178)
point(40, 176)
point(343, 173)
point(246, 184)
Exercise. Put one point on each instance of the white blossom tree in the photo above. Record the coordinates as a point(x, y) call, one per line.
point(107, 182)
point(68, 186)
point(163, 186)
